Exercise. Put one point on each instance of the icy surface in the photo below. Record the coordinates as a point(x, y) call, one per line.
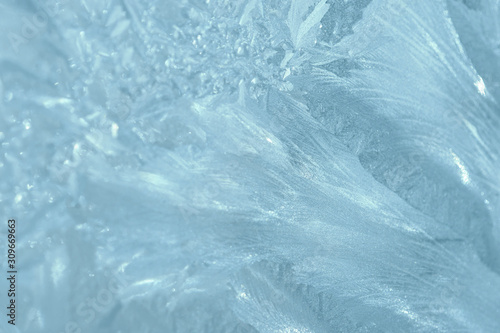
point(252, 166)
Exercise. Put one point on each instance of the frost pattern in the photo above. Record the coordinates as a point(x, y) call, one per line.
point(253, 166)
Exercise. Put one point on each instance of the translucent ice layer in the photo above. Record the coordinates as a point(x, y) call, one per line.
point(252, 165)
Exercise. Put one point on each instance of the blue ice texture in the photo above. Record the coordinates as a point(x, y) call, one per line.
point(288, 166)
